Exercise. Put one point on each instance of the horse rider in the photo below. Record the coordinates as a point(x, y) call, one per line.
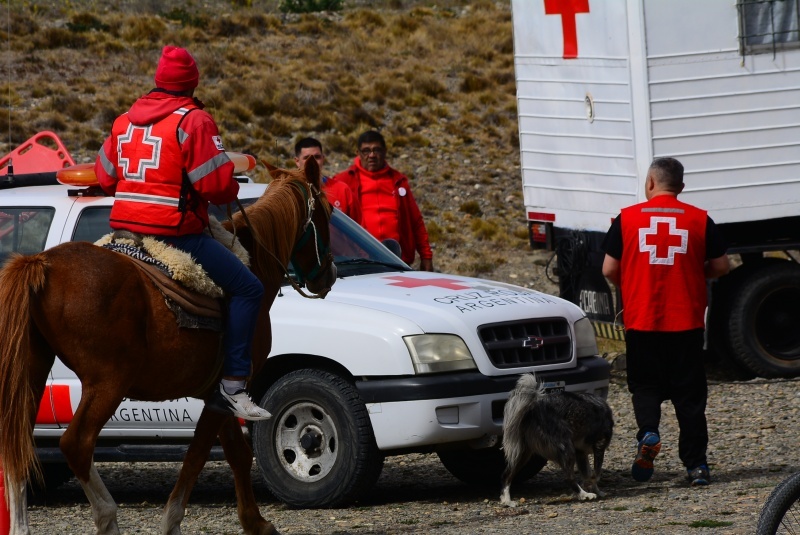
point(164, 162)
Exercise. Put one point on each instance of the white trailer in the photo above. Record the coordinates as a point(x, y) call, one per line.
point(604, 86)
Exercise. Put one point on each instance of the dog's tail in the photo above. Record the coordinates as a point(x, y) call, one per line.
point(527, 391)
point(530, 385)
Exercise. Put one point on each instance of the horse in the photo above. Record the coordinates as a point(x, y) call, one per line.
point(111, 326)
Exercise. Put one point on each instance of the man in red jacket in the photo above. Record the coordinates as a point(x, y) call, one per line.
point(388, 208)
point(339, 194)
point(164, 162)
point(660, 253)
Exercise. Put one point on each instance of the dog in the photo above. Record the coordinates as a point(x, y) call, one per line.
point(561, 427)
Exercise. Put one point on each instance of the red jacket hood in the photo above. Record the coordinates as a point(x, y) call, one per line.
point(156, 105)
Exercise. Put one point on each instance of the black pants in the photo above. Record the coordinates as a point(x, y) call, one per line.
point(669, 365)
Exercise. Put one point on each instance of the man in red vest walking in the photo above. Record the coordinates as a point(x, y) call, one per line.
point(660, 253)
point(164, 162)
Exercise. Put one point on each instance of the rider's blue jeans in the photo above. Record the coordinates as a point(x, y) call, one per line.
point(239, 283)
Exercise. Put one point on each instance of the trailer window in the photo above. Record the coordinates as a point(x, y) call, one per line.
point(768, 25)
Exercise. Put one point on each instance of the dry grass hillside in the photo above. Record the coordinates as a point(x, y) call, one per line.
point(436, 77)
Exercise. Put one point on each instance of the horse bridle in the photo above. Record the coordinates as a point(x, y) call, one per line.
point(324, 254)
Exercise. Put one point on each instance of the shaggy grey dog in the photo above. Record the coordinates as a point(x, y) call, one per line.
point(561, 427)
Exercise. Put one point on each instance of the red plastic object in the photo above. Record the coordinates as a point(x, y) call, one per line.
point(42, 153)
point(5, 515)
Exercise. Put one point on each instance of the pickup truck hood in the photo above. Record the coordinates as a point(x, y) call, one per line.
point(438, 302)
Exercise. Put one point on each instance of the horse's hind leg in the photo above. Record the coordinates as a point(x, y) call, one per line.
point(104, 509)
point(205, 434)
point(240, 457)
point(77, 443)
point(17, 508)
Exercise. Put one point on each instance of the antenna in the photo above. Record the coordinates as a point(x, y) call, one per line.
point(8, 55)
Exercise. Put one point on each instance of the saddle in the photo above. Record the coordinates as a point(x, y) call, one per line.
point(189, 292)
point(193, 302)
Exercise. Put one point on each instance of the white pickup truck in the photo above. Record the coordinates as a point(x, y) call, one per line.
point(392, 361)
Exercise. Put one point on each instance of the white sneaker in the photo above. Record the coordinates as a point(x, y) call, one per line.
point(239, 404)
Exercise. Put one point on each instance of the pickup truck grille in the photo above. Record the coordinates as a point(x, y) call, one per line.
point(527, 342)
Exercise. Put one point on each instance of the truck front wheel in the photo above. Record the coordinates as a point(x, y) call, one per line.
point(764, 319)
point(485, 466)
point(318, 449)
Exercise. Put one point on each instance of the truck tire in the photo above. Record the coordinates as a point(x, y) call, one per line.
point(318, 449)
point(763, 321)
point(485, 466)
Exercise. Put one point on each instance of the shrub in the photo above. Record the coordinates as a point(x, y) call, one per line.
point(86, 22)
point(310, 6)
point(471, 208)
point(484, 230)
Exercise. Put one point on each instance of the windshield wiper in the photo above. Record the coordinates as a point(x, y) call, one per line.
point(354, 261)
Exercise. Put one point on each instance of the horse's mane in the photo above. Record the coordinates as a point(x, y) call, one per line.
point(274, 218)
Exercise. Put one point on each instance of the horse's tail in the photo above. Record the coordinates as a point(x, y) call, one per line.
point(21, 277)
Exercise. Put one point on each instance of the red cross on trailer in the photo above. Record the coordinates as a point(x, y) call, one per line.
point(568, 9)
point(409, 282)
point(138, 151)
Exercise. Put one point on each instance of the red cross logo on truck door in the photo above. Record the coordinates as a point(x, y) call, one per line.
point(567, 9)
point(138, 151)
point(666, 233)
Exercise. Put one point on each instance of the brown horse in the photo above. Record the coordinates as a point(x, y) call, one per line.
point(110, 325)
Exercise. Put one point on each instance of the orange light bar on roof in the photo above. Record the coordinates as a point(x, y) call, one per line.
point(82, 174)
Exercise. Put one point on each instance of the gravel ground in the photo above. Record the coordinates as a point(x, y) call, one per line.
point(753, 426)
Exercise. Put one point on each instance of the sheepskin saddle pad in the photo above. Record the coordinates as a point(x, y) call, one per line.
point(189, 292)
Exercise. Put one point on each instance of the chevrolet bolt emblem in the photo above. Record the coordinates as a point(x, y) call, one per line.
point(533, 342)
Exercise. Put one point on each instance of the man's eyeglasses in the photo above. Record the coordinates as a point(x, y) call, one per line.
point(366, 151)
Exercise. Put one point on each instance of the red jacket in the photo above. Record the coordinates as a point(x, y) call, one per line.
point(413, 234)
point(342, 197)
point(143, 161)
point(663, 265)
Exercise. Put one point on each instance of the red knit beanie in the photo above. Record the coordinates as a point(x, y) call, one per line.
point(177, 70)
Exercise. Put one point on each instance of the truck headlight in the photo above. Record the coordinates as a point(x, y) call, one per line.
point(585, 341)
point(432, 353)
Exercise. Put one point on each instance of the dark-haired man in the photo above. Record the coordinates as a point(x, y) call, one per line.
point(660, 253)
point(339, 194)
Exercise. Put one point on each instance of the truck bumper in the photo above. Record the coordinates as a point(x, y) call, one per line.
point(459, 407)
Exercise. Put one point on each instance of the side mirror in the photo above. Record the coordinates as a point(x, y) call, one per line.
point(393, 246)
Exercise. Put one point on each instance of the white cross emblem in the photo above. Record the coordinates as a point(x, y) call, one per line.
point(134, 163)
point(644, 247)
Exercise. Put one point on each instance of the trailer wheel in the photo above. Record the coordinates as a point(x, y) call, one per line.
point(763, 321)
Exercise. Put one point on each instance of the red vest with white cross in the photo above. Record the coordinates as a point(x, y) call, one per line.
point(662, 266)
point(150, 168)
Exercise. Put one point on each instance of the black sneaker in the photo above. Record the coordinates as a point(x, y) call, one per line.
point(700, 476)
point(238, 404)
